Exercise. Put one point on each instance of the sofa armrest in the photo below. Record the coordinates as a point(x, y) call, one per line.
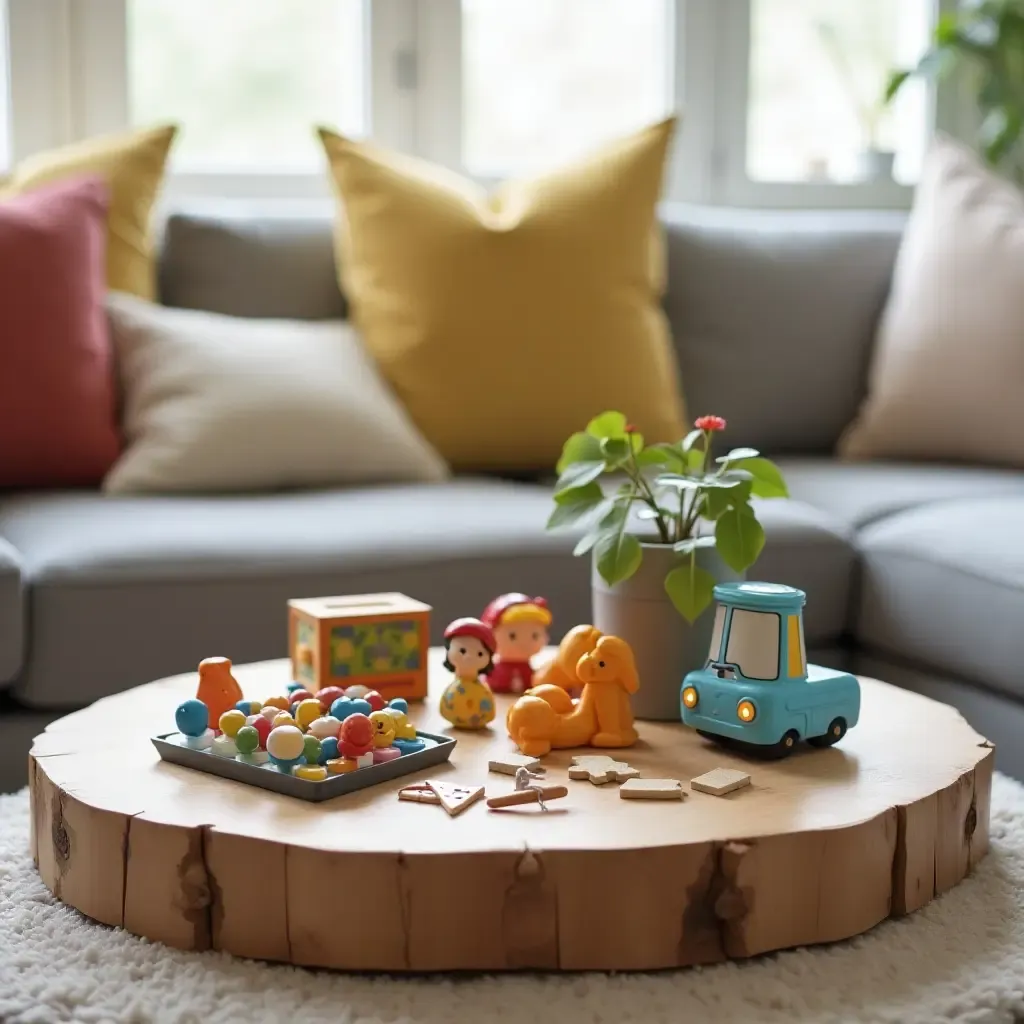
point(12, 613)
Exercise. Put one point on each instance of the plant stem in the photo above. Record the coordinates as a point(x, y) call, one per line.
point(690, 522)
point(647, 495)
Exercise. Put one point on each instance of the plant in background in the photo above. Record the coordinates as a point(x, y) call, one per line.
point(985, 38)
point(865, 99)
point(671, 494)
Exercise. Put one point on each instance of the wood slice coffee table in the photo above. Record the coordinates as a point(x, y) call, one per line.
point(822, 846)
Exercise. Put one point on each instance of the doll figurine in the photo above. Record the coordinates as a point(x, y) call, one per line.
point(520, 625)
point(467, 702)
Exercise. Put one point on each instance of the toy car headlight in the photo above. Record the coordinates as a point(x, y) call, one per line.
point(745, 711)
point(690, 697)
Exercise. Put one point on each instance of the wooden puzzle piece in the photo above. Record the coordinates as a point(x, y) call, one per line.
point(651, 789)
point(419, 793)
point(720, 781)
point(454, 798)
point(600, 769)
point(508, 763)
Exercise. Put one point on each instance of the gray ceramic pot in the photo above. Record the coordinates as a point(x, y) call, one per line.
point(666, 646)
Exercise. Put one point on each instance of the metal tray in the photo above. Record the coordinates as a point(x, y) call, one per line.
point(437, 751)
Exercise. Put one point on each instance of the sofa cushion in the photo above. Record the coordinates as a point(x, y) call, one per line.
point(774, 317)
point(12, 613)
point(234, 263)
point(126, 589)
point(943, 588)
point(860, 493)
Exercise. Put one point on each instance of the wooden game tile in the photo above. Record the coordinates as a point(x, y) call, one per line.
point(601, 769)
point(720, 781)
point(508, 764)
point(651, 789)
point(454, 798)
point(420, 793)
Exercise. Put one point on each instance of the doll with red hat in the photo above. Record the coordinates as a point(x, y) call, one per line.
point(520, 624)
point(467, 701)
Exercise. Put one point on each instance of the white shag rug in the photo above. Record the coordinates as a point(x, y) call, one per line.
point(959, 959)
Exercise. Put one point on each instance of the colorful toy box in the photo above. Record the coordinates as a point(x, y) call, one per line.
point(375, 640)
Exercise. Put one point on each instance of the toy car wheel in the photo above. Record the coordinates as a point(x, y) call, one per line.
point(783, 748)
point(836, 731)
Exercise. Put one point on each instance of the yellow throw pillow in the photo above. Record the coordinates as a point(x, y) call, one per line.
point(506, 321)
point(132, 163)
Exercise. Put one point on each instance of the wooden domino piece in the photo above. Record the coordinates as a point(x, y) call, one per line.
point(508, 764)
point(720, 781)
point(651, 789)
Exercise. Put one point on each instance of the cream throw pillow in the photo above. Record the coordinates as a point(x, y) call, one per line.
point(950, 346)
point(217, 403)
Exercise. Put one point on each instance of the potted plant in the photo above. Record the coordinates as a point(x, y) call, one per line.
point(664, 524)
point(985, 39)
point(875, 163)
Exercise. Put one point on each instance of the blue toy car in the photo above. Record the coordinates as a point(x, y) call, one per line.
point(757, 691)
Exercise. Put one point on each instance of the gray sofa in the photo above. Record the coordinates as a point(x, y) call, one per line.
point(915, 573)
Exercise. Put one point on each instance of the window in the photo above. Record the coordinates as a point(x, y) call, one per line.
point(247, 79)
point(820, 117)
point(778, 98)
point(753, 645)
point(715, 648)
point(542, 82)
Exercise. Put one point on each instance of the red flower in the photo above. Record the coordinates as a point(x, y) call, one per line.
point(630, 428)
point(710, 423)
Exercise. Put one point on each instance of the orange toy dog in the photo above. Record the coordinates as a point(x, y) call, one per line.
point(546, 717)
point(561, 669)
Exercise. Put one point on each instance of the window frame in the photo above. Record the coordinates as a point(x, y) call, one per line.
point(68, 64)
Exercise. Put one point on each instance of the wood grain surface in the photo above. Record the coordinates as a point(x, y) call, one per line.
point(819, 847)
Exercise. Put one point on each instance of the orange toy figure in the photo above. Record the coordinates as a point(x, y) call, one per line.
point(547, 717)
point(218, 689)
point(561, 669)
point(520, 624)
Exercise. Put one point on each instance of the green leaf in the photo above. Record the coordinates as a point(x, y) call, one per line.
point(579, 474)
point(739, 453)
point(579, 448)
point(615, 449)
point(648, 513)
point(684, 547)
point(610, 524)
point(690, 589)
point(720, 499)
point(766, 477)
point(678, 482)
point(656, 456)
point(586, 542)
point(690, 440)
point(574, 504)
point(895, 83)
point(739, 537)
point(608, 424)
point(618, 556)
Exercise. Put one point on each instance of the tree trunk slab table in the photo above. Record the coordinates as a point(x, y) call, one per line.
point(819, 847)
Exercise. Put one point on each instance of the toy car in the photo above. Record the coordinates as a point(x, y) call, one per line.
point(757, 691)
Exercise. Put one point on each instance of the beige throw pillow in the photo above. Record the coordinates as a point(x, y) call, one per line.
point(218, 403)
point(947, 378)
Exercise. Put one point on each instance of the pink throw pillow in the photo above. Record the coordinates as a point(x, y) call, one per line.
point(58, 405)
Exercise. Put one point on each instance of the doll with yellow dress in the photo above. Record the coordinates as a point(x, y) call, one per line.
point(467, 702)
